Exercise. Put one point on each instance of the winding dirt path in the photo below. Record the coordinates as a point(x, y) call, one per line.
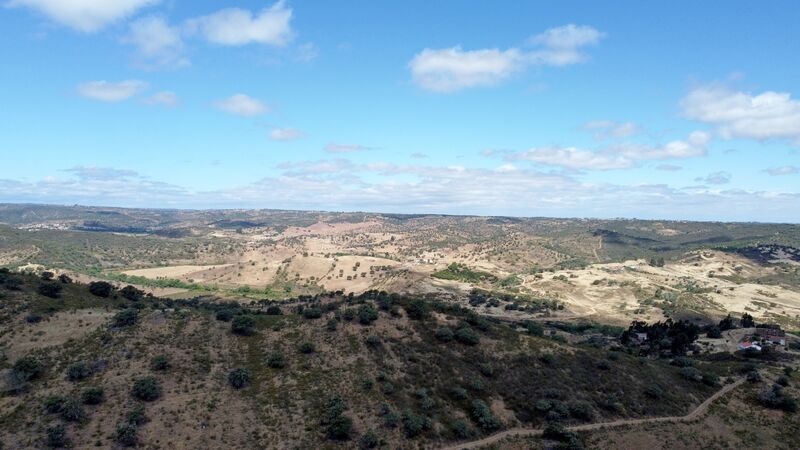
point(523, 432)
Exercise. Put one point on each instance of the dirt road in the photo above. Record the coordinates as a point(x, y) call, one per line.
point(524, 432)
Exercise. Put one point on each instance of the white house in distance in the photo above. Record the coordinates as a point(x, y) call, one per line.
point(747, 345)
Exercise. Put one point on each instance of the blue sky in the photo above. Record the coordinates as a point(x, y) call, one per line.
point(681, 110)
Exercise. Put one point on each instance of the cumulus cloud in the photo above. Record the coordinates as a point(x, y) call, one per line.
point(243, 105)
point(784, 170)
point(452, 69)
point(285, 134)
point(618, 156)
point(84, 15)
point(606, 129)
point(236, 26)
point(715, 178)
point(106, 91)
point(158, 44)
point(163, 98)
point(769, 115)
point(345, 148)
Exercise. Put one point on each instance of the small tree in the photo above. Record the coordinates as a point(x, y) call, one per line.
point(131, 293)
point(160, 363)
point(64, 279)
point(276, 361)
point(467, 335)
point(50, 289)
point(93, 396)
point(26, 368)
point(239, 378)
point(367, 314)
point(274, 310)
point(444, 334)
point(312, 313)
point(243, 325)
point(306, 348)
point(56, 436)
point(100, 288)
point(747, 321)
point(146, 388)
point(126, 317)
point(78, 371)
point(72, 410)
point(126, 435)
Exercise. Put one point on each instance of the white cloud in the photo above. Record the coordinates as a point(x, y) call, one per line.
point(235, 26)
point(285, 134)
point(769, 115)
point(715, 178)
point(84, 15)
point(669, 167)
point(163, 98)
point(562, 45)
point(158, 44)
point(619, 156)
point(242, 105)
point(306, 52)
point(605, 129)
point(785, 170)
point(111, 92)
point(345, 148)
point(453, 69)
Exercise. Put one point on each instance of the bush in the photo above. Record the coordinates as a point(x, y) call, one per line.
point(417, 309)
point(654, 391)
point(461, 430)
point(54, 403)
point(753, 376)
point(373, 341)
point(131, 293)
point(486, 369)
point(276, 361)
point(239, 378)
point(126, 317)
point(137, 416)
point(146, 388)
point(534, 329)
point(414, 424)
point(56, 436)
point(274, 310)
point(50, 289)
point(72, 410)
point(225, 314)
point(312, 313)
point(27, 368)
point(306, 348)
point(33, 318)
point(778, 399)
point(243, 325)
point(160, 363)
point(367, 314)
point(332, 325)
point(483, 416)
point(100, 288)
point(126, 435)
point(690, 373)
point(337, 425)
point(78, 371)
point(64, 279)
point(581, 410)
point(444, 334)
point(369, 440)
point(467, 335)
point(714, 333)
point(93, 396)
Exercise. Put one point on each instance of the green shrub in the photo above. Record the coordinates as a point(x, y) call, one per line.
point(27, 368)
point(276, 361)
point(56, 436)
point(78, 371)
point(332, 325)
point(337, 426)
point(50, 289)
point(581, 410)
point(131, 293)
point(367, 314)
point(126, 435)
point(160, 363)
point(373, 341)
point(312, 313)
point(146, 388)
point(225, 314)
point(349, 314)
point(136, 416)
point(654, 391)
point(54, 403)
point(467, 335)
point(100, 288)
point(534, 329)
point(72, 410)
point(243, 325)
point(753, 376)
point(462, 430)
point(483, 416)
point(92, 396)
point(306, 348)
point(417, 309)
point(486, 369)
point(126, 317)
point(444, 334)
point(369, 440)
point(274, 310)
point(414, 424)
point(239, 378)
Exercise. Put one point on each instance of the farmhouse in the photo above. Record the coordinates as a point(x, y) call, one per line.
point(773, 335)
